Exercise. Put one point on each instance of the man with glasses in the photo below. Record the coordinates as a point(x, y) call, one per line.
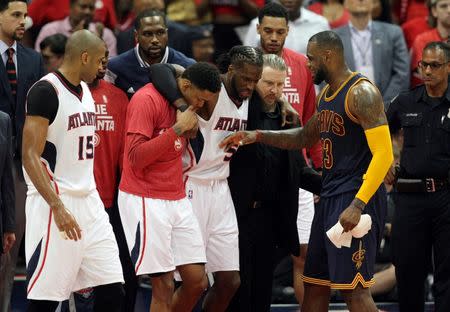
point(421, 226)
point(129, 71)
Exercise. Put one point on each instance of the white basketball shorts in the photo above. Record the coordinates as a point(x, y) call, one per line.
point(305, 215)
point(56, 266)
point(161, 234)
point(213, 206)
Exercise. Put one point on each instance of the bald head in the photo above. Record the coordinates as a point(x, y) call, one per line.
point(83, 41)
point(85, 53)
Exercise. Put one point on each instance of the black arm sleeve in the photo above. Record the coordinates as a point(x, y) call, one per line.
point(163, 77)
point(43, 101)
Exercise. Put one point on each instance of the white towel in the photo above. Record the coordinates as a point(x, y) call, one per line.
point(340, 238)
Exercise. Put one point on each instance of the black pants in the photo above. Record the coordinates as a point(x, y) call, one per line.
point(421, 227)
point(256, 257)
point(129, 275)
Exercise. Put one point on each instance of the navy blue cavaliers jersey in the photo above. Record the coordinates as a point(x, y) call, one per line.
point(346, 155)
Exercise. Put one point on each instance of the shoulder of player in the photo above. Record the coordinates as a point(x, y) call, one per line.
point(291, 55)
point(148, 97)
point(365, 103)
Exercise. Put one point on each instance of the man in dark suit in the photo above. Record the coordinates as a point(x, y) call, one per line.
point(7, 215)
point(19, 69)
point(376, 49)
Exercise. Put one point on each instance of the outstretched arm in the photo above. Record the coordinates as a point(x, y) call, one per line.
point(365, 106)
point(290, 139)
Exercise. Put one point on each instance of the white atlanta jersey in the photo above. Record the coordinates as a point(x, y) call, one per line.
point(203, 158)
point(68, 155)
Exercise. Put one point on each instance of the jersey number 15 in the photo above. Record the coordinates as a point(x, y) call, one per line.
point(85, 147)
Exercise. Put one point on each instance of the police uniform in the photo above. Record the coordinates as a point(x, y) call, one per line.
point(422, 198)
point(346, 157)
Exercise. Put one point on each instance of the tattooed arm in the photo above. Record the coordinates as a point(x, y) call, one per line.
point(292, 139)
point(366, 107)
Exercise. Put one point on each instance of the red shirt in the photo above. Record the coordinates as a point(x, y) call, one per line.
point(416, 52)
point(45, 11)
point(317, 8)
point(299, 91)
point(413, 28)
point(110, 110)
point(152, 165)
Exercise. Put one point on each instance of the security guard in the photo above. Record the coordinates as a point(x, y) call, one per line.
point(421, 225)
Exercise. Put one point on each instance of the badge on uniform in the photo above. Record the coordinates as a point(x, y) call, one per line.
point(190, 194)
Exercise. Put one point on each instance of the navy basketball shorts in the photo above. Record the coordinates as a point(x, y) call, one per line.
point(344, 268)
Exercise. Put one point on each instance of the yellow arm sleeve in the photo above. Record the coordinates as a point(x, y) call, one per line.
point(379, 140)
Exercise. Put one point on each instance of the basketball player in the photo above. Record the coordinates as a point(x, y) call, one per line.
point(357, 154)
point(206, 169)
point(70, 244)
point(161, 229)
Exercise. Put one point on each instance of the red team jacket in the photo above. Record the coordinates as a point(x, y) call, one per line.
point(110, 111)
point(299, 91)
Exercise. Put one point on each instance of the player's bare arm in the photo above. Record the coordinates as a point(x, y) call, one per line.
point(290, 139)
point(34, 138)
point(366, 105)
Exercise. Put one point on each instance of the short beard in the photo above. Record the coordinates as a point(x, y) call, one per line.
point(16, 38)
point(321, 75)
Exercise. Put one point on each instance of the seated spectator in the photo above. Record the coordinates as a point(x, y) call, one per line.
point(178, 32)
point(81, 15)
point(129, 70)
point(406, 10)
point(46, 11)
point(413, 28)
point(227, 16)
point(332, 10)
point(376, 49)
point(52, 51)
point(185, 11)
point(302, 25)
point(441, 32)
point(202, 44)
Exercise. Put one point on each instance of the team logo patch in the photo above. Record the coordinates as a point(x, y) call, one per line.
point(96, 140)
point(190, 192)
point(178, 145)
point(358, 256)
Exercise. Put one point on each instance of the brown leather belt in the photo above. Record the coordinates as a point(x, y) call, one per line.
point(428, 185)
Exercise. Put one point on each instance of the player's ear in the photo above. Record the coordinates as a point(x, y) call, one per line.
point(84, 58)
point(231, 68)
point(258, 27)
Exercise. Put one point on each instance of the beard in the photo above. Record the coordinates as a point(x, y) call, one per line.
point(321, 75)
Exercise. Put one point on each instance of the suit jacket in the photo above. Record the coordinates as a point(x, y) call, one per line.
point(30, 69)
point(243, 182)
point(390, 58)
point(7, 206)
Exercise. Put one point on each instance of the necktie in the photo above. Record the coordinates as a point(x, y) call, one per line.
point(11, 71)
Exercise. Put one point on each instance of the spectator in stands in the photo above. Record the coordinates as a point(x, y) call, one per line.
point(202, 44)
point(376, 49)
point(440, 9)
point(227, 15)
point(406, 10)
point(302, 25)
point(332, 10)
point(129, 71)
point(185, 11)
point(81, 16)
point(52, 51)
point(416, 26)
